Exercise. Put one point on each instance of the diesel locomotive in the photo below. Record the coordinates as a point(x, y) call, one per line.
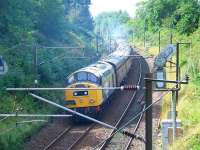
point(108, 72)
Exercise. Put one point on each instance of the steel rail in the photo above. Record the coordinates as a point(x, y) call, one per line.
point(57, 138)
point(63, 134)
point(135, 129)
point(81, 137)
point(103, 145)
point(136, 116)
point(117, 124)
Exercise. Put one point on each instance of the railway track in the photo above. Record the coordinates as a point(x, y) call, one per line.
point(86, 137)
point(135, 130)
point(60, 142)
point(109, 132)
point(56, 138)
point(105, 144)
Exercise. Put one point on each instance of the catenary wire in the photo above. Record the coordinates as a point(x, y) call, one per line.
point(137, 115)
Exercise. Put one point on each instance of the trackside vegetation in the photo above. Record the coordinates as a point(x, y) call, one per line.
point(24, 26)
point(181, 18)
point(28, 27)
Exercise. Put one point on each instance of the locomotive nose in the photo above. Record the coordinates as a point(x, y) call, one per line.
point(83, 97)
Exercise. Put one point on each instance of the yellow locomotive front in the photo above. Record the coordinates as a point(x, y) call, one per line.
point(86, 101)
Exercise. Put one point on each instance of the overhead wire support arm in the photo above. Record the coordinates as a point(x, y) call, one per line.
point(62, 47)
point(82, 115)
point(167, 81)
point(34, 115)
point(164, 90)
point(30, 121)
point(71, 111)
point(148, 112)
point(125, 87)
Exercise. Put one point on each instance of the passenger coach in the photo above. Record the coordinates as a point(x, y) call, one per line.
point(108, 72)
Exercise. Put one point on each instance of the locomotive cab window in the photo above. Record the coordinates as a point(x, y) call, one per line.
point(86, 76)
point(92, 78)
point(82, 76)
point(70, 80)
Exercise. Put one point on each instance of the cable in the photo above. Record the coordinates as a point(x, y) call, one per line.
point(135, 117)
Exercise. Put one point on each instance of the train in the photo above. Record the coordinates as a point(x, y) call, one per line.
point(107, 72)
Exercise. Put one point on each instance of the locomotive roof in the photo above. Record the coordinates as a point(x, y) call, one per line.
point(98, 68)
point(116, 58)
point(119, 56)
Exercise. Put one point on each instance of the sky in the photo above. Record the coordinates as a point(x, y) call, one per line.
point(99, 6)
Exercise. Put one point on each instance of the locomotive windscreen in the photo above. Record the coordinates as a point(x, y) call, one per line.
point(83, 76)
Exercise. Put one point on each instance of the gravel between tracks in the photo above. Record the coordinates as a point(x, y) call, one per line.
point(137, 145)
point(46, 134)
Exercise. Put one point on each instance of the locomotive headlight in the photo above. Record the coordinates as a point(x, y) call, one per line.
point(91, 101)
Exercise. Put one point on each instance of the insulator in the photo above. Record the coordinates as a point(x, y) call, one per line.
point(129, 87)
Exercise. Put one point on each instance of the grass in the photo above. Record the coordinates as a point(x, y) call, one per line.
point(189, 98)
point(189, 113)
point(12, 136)
point(190, 141)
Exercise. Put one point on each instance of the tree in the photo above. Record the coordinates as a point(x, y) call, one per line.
point(187, 16)
point(51, 20)
point(182, 14)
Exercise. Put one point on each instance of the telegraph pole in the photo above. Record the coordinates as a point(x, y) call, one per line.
point(35, 65)
point(177, 65)
point(97, 43)
point(177, 69)
point(171, 38)
point(145, 35)
point(173, 109)
point(159, 40)
point(148, 113)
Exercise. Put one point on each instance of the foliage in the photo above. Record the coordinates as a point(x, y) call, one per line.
point(112, 24)
point(181, 18)
point(191, 140)
point(189, 113)
point(51, 19)
point(29, 24)
point(182, 15)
